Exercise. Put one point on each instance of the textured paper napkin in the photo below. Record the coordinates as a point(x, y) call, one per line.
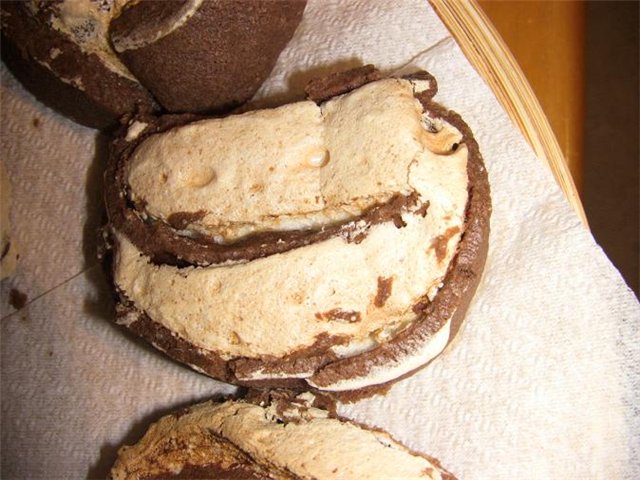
point(542, 381)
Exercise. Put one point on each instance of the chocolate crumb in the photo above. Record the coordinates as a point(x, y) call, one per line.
point(422, 210)
point(420, 307)
point(339, 315)
point(383, 292)
point(180, 220)
point(181, 412)
point(35, 122)
point(17, 299)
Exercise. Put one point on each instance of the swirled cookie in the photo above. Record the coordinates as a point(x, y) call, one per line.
point(330, 244)
point(276, 437)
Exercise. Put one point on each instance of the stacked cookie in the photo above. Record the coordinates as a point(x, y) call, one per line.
point(314, 252)
point(331, 246)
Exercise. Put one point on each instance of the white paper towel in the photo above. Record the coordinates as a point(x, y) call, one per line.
point(542, 381)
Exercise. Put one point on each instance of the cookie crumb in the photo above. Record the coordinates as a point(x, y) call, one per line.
point(17, 299)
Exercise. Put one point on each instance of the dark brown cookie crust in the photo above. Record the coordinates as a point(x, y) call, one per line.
point(27, 43)
point(451, 301)
point(324, 88)
point(216, 60)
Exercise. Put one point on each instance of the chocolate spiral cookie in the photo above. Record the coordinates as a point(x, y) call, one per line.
point(331, 244)
point(278, 436)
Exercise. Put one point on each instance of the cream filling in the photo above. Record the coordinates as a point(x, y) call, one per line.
point(407, 363)
point(263, 374)
point(281, 303)
point(299, 166)
point(135, 129)
point(306, 448)
point(86, 23)
point(145, 37)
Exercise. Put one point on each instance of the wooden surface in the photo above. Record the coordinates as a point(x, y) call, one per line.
point(488, 53)
point(547, 39)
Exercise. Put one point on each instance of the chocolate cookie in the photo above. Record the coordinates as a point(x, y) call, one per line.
point(191, 55)
point(332, 245)
point(278, 436)
point(60, 51)
point(204, 56)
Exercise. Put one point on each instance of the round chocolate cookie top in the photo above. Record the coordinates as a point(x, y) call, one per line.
point(203, 56)
point(331, 245)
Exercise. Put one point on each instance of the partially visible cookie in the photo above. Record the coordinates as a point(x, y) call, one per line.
point(97, 60)
point(204, 56)
point(8, 250)
point(275, 437)
point(60, 51)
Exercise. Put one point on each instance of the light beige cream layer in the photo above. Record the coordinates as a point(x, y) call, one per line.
point(294, 167)
point(313, 447)
point(86, 22)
